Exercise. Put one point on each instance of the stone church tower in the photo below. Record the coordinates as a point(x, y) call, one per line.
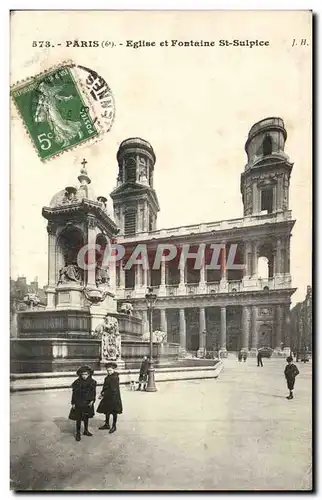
point(134, 199)
point(265, 181)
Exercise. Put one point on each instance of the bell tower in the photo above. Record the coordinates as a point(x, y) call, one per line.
point(265, 182)
point(134, 199)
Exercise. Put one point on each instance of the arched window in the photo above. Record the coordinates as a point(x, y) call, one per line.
point(267, 145)
point(262, 269)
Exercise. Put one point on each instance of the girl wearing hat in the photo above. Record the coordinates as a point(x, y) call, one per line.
point(111, 403)
point(83, 399)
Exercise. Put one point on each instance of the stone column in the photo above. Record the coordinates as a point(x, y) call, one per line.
point(137, 271)
point(51, 256)
point(274, 198)
point(52, 277)
point(223, 269)
point(255, 259)
point(139, 218)
point(278, 256)
point(162, 290)
point(122, 275)
point(223, 263)
point(146, 217)
point(246, 327)
point(255, 208)
point(162, 272)
point(223, 329)
point(247, 259)
point(279, 326)
point(202, 282)
point(91, 240)
point(254, 329)
point(280, 193)
point(163, 315)
point(287, 254)
point(202, 330)
point(182, 329)
point(146, 277)
point(182, 285)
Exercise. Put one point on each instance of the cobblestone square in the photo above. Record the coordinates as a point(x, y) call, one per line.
point(234, 433)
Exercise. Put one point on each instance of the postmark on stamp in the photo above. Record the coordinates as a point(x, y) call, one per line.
point(57, 112)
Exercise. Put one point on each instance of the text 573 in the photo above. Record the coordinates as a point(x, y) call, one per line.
point(41, 43)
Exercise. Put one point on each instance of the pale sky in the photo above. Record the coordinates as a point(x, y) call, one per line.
point(194, 105)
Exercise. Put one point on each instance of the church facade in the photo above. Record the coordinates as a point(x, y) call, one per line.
point(213, 307)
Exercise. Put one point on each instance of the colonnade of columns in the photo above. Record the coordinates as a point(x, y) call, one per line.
point(280, 265)
point(249, 327)
point(143, 276)
point(281, 253)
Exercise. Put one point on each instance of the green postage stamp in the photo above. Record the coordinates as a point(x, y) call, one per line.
point(54, 112)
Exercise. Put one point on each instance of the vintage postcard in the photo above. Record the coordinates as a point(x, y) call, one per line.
point(161, 246)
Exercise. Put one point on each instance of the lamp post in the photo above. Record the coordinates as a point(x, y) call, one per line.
point(150, 301)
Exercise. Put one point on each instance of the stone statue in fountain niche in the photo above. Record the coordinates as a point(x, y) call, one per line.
point(70, 272)
point(102, 277)
point(111, 338)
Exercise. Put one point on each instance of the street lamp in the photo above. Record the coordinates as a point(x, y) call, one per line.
point(150, 302)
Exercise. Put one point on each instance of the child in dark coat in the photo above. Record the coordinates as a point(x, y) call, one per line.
point(143, 377)
point(291, 371)
point(111, 403)
point(83, 399)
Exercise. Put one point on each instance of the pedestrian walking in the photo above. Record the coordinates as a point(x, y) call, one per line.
point(244, 356)
point(259, 359)
point(143, 377)
point(291, 371)
point(240, 356)
point(83, 399)
point(111, 402)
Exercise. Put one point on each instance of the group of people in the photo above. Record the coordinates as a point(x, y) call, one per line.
point(242, 356)
point(84, 397)
point(84, 394)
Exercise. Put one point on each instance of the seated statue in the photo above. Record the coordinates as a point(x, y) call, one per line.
point(70, 272)
point(102, 277)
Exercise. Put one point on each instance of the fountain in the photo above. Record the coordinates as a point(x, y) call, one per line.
point(80, 323)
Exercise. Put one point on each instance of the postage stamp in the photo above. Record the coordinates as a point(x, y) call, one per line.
point(56, 112)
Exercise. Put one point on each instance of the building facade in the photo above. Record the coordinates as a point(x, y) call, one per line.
point(244, 306)
point(301, 325)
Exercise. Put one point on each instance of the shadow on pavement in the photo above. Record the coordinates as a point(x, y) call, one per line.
point(64, 424)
